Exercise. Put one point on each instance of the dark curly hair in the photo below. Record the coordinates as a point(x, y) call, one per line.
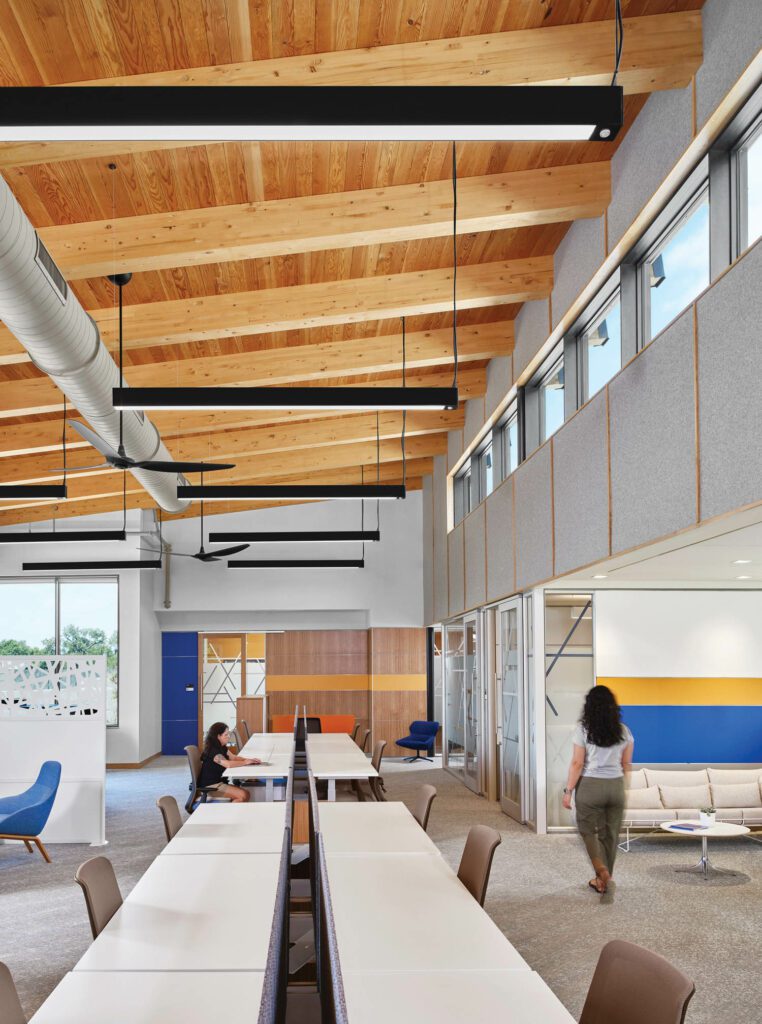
point(212, 743)
point(602, 718)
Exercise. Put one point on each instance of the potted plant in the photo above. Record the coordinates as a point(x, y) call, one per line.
point(707, 816)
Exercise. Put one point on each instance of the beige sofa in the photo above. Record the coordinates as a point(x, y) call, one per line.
point(657, 795)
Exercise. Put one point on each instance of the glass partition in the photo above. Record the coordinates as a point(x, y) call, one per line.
point(569, 674)
point(454, 688)
point(472, 681)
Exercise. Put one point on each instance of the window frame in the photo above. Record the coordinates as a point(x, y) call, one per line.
point(94, 580)
point(750, 135)
point(559, 363)
point(510, 416)
point(487, 445)
point(605, 297)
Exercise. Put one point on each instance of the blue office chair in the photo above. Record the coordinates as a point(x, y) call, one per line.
point(24, 815)
point(422, 737)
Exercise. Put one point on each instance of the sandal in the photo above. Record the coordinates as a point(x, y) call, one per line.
point(594, 887)
point(604, 878)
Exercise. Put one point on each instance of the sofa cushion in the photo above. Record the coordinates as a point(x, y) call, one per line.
point(643, 799)
point(646, 816)
point(743, 794)
point(733, 776)
point(734, 815)
point(685, 796)
point(635, 779)
point(662, 777)
point(752, 815)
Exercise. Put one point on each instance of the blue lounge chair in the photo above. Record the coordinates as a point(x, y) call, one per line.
point(422, 737)
point(26, 814)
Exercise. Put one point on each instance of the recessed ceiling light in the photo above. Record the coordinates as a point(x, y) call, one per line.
point(601, 576)
point(743, 577)
point(742, 561)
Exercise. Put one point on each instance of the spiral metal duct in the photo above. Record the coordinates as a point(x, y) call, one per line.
point(40, 309)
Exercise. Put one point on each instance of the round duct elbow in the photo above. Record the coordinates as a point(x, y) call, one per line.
point(39, 308)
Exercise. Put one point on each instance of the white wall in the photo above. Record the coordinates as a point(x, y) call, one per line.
point(387, 592)
point(688, 633)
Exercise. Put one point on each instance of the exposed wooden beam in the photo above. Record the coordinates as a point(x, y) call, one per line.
point(353, 300)
point(662, 51)
point(39, 396)
point(138, 498)
point(25, 154)
point(265, 468)
point(230, 445)
point(491, 202)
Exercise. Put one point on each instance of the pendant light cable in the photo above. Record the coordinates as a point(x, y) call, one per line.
point(454, 266)
point(404, 411)
point(618, 38)
point(63, 440)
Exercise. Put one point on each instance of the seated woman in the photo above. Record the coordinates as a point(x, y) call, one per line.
point(215, 758)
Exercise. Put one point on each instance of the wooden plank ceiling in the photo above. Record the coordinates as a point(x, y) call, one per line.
point(286, 263)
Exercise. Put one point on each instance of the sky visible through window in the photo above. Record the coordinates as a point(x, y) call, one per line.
point(685, 260)
point(603, 360)
point(553, 401)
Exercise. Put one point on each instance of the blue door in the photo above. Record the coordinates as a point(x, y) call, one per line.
point(179, 691)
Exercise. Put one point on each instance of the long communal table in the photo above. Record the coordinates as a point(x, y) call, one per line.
point(335, 756)
point(231, 828)
point(445, 961)
point(275, 749)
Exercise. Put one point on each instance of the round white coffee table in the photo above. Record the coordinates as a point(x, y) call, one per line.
point(721, 830)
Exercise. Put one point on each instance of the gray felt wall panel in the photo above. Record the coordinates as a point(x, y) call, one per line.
point(581, 487)
point(532, 330)
point(439, 483)
point(500, 541)
point(475, 564)
point(428, 550)
point(534, 537)
point(730, 373)
point(581, 252)
point(499, 380)
point(731, 30)
point(653, 449)
point(454, 447)
point(455, 557)
point(474, 420)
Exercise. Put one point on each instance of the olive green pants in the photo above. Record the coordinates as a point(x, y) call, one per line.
point(600, 807)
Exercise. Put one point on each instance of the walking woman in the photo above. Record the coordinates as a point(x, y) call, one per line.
point(601, 754)
point(215, 758)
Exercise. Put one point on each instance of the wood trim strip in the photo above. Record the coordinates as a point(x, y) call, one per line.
point(114, 765)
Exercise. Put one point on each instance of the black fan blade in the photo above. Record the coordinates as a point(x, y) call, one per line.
point(94, 439)
point(207, 556)
point(183, 467)
point(230, 551)
point(79, 469)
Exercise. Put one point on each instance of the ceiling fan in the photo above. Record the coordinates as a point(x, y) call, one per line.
point(118, 459)
point(202, 555)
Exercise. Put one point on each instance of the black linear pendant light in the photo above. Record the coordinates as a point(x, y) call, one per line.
point(290, 492)
point(420, 113)
point(121, 563)
point(297, 563)
point(293, 536)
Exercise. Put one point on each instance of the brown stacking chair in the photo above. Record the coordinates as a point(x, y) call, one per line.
point(102, 896)
point(245, 730)
point(476, 862)
point(196, 792)
point(236, 741)
point(364, 744)
point(377, 787)
point(170, 814)
point(422, 805)
point(10, 1004)
point(632, 985)
point(355, 731)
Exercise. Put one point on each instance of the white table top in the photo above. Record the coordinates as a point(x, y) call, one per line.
point(347, 762)
point(278, 767)
point(521, 997)
point(409, 912)
point(231, 828)
point(265, 743)
point(721, 829)
point(211, 912)
point(152, 997)
point(349, 828)
point(331, 740)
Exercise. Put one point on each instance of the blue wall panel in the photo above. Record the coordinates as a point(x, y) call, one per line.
point(680, 735)
point(179, 690)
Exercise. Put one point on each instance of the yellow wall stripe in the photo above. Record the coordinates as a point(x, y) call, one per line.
point(417, 681)
point(709, 692)
point(278, 684)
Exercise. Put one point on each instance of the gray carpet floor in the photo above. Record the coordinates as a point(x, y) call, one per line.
point(538, 895)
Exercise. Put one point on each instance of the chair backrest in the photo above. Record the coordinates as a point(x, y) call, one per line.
point(245, 730)
point(425, 729)
point(50, 775)
point(235, 740)
point(364, 744)
point(314, 724)
point(378, 753)
point(422, 805)
point(355, 731)
point(171, 816)
point(632, 985)
point(194, 762)
point(476, 862)
point(10, 1004)
point(102, 896)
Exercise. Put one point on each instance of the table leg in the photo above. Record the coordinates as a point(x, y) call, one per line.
point(269, 789)
point(704, 867)
point(332, 789)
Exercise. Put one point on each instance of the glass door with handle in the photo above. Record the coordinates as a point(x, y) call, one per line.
point(511, 718)
point(473, 699)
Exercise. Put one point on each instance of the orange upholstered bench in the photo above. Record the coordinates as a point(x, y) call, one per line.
point(328, 723)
